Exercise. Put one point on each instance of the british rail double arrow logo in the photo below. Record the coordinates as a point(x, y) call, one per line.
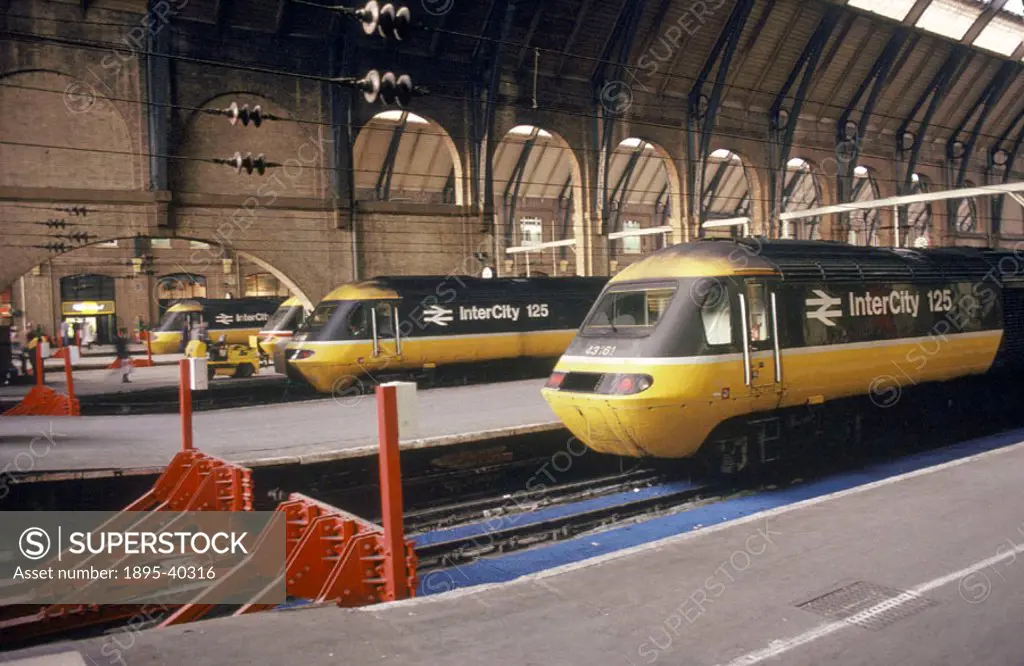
point(824, 303)
point(435, 314)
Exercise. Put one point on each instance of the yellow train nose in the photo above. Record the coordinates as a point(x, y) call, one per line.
point(165, 342)
point(630, 425)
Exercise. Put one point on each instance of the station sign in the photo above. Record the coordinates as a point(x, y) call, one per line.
point(87, 308)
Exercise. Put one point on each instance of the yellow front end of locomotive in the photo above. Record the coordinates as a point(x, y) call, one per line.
point(332, 366)
point(165, 342)
point(670, 419)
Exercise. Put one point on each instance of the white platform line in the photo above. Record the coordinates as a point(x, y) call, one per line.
point(780, 647)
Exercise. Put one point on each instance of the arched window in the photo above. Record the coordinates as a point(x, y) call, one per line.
point(264, 284)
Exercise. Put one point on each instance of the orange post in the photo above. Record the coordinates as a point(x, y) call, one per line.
point(67, 375)
point(40, 370)
point(391, 494)
point(185, 398)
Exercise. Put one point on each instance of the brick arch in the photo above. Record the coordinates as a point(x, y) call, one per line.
point(298, 273)
point(50, 108)
point(295, 145)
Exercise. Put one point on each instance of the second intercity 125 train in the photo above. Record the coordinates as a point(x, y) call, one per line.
point(395, 326)
point(733, 350)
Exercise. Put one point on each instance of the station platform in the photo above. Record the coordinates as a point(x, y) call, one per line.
point(912, 568)
point(93, 377)
point(278, 434)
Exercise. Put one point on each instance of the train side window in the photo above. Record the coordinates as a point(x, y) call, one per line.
point(716, 314)
point(385, 320)
point(757, 314)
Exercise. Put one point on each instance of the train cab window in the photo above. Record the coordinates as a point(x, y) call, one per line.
point(321, 315)
point(757, 314)
point(716, 314)
point(629, 312)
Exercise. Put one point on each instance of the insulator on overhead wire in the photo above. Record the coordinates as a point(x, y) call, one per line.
point(248, 163)
point(244, 114)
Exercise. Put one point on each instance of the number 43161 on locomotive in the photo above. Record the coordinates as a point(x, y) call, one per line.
point(707, 348)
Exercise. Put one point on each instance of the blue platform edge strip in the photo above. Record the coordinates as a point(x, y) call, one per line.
point(509, 567)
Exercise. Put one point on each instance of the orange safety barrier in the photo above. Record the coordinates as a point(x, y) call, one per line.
point(44, 401)
point(332, 555)
point(193, 481)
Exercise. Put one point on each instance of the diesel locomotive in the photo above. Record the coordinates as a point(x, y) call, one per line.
point(732, 350)
point(400, 326)
point(281, 326)
point(237, 319)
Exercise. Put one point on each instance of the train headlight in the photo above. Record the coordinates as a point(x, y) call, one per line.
point(555, 380)
point(624, 384)
point(302, 354)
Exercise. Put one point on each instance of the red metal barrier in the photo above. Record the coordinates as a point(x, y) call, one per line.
point(185, 402)
point(391, 492)
point(193, 481)
point(332, 555)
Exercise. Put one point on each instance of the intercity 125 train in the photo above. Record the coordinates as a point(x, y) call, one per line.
point(399, 325)
point(236, 319)
point(732, 350)
point(281, 326)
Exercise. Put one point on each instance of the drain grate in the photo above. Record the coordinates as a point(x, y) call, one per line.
point(867, 605)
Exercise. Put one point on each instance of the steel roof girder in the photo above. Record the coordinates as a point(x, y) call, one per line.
point(986, 16)
point(979, 112)
point(510, 200)
point(622, 38)
point(700, 127)
point(711, 190)
point(622, 186)
point(485, 125)
point(876, 80)
point(781, 137)
point(387, 168)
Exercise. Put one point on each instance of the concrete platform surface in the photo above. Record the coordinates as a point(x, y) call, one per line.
point(928, 561)
point(98, 380)
point(263, 434)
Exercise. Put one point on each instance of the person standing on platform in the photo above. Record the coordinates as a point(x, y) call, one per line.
point(184, 336)
point(64, 332)
point(87, 335)
point(121, 349)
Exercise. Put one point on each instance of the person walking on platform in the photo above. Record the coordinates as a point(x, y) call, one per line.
point(121, 349)
point(64, 327)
